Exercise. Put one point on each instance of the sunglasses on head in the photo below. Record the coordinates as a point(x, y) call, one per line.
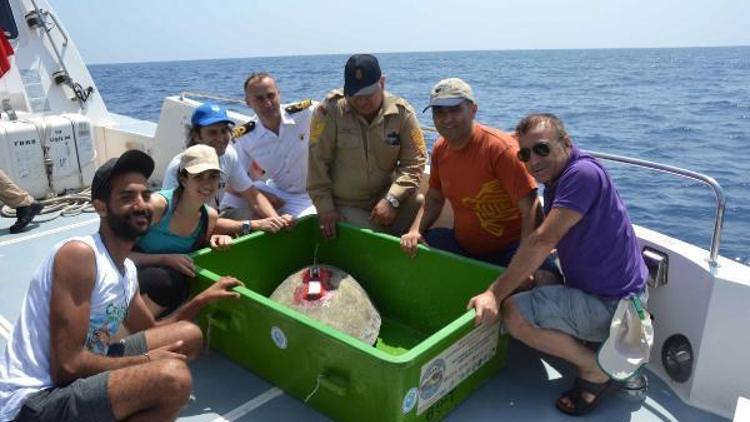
point(541, 149)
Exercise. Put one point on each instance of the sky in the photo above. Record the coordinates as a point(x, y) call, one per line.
point(161, 30)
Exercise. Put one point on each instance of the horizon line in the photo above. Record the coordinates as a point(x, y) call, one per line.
point(418, 52)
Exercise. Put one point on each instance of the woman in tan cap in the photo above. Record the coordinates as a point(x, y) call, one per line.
point(181, 223)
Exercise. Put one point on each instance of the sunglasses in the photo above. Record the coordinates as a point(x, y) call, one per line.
point(541, 149)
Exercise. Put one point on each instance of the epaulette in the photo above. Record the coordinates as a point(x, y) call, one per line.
point(298, 106)
point(246, 128)
point(334, 95)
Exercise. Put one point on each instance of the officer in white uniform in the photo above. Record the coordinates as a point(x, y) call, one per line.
point(273, 147)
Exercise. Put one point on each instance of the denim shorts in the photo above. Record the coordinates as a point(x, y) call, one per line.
point(557, 307)
point(85, 399)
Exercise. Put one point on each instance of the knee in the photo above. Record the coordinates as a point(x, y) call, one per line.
point(174, 380)
point(512, 318)
point(192, 338)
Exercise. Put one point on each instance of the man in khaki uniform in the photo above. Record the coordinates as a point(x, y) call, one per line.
point(15, 197)
point(367, 154)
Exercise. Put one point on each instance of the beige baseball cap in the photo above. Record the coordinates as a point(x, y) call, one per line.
point(199, 158)
point(450, 92)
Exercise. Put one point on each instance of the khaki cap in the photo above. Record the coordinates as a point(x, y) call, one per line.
point(199, 158)
point(450, 92)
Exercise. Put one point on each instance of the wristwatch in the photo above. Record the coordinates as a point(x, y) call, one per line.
point(392, 200)
point(246, 228)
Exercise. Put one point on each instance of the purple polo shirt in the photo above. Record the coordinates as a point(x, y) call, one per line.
point(600, 254)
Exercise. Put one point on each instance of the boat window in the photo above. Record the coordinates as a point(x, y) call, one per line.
point(7, 23)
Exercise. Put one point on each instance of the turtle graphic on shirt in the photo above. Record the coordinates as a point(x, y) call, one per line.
point(493, 207)
point(103, 327)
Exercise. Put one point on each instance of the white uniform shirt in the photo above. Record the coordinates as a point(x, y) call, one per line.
point(282, 156)
point(233, 174)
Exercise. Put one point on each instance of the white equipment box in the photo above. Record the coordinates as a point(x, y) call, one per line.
point(68, 142)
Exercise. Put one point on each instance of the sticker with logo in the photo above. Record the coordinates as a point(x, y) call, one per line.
point(410, 400)
point(431, 380)
point(278, 337)
point(317, 126)
point(452, 366)
point(418, 138)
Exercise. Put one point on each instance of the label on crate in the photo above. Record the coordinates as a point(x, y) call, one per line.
point(453, 365)
point(410, 400)
point(278, 337)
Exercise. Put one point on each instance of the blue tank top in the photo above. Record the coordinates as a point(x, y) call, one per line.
point(158, 238)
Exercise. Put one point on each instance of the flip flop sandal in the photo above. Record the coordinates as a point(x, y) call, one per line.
point(580, 406)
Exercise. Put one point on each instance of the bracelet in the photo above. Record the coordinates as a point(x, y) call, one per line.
point(148, 358)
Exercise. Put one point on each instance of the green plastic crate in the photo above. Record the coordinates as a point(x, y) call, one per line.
point(428, 357)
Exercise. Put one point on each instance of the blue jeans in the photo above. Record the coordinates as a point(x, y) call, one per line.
point(445, 239)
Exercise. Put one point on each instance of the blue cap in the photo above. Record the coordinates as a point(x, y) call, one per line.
point(207, 114)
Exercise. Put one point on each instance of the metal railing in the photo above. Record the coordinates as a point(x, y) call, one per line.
point(190, 94)
point(721, 200)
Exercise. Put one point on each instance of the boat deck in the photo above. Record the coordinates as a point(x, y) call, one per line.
point(524, 390)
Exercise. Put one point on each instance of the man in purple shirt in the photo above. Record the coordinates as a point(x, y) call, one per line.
point(586, 221)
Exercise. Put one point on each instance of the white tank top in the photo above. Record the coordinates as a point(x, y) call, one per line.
point(25, 365)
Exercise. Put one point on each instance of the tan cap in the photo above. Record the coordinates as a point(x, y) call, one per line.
point(450, 92)
point(199, 158)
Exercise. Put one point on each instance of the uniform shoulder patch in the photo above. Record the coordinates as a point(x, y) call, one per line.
point(298, 106)
point(246, 128)
point(317, 124)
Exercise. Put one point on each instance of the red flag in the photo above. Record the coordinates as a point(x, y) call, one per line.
point(6, 50)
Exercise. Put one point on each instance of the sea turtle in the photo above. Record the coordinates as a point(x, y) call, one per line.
point(333, 297)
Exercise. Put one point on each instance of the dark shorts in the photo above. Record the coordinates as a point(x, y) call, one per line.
point(85, 399)
point(445, 239)
point(165, 286)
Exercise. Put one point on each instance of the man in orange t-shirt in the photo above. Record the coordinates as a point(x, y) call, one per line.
point(476, 168)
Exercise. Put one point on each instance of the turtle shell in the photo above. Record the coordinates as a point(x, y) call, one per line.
point(333, 297)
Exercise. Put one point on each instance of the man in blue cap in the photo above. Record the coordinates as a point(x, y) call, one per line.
point(367, 154)
point(212, 126)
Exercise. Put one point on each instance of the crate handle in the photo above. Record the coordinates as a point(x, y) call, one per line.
point(215, 320)
point(219, 320)
point(334, 384)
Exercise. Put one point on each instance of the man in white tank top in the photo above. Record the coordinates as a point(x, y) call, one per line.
point(61, 362)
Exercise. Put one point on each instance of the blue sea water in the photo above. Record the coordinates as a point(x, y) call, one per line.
point(685, 107)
